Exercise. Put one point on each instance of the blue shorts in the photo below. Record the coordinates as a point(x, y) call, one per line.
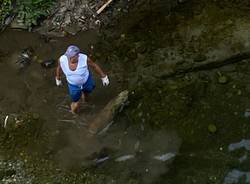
point(75, 92)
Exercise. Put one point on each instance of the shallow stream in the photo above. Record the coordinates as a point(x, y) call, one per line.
point(184, 129)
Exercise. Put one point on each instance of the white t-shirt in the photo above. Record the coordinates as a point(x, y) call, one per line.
point(80, 75)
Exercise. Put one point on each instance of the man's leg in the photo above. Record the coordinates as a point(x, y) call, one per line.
point(75, 107)
point(87, 88)
point(75, 94)
point(85, 97)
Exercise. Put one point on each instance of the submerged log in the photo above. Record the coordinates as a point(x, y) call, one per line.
point(206, 65)
point(105, 117)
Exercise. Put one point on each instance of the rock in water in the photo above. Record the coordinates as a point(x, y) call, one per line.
point(212, 128)
point(222, 79)
point(24, 58)
point(107, 114)
point(48, 63)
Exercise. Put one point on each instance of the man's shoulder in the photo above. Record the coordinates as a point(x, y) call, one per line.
point(83, 55)
point(62, 58)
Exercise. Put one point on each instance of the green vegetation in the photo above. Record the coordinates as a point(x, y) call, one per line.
point(30, 11)
point(5, 8)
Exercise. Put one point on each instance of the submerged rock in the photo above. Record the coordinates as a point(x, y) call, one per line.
point(35, 116)
point(222, 79)
point(18, 24)
point(247, 113)
point(24, 58)
point(212, 128)
point(244, 143)
point(235, 176)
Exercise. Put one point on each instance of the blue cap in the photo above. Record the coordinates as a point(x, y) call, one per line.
point(71, 51)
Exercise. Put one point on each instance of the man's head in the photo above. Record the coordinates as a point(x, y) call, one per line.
point(72, 53)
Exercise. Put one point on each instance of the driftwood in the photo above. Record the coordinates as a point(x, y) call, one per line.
point(103, 7)
point(105, 117)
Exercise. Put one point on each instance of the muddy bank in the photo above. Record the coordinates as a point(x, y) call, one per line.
point(68, 17)
point(71, 16)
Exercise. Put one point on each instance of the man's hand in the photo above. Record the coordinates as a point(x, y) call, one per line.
point(58, 82)
point(58, 74)
point(105, 80)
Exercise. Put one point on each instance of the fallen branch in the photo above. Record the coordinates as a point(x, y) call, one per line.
point(209, 65)
point(103, 7)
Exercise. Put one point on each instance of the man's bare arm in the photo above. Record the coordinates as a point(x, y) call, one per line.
point(58, 71)
point(96, 68)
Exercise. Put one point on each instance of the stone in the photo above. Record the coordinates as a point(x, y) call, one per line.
point(247, 113)
point(16, 24)
point(222, 79)
point(35, 116)
point(123, 36)
point(72, 29)
point(212, 128)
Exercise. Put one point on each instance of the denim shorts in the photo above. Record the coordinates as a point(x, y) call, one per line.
point(75, 92)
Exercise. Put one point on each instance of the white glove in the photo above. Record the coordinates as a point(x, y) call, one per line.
point(58, 82)
point(105, 81)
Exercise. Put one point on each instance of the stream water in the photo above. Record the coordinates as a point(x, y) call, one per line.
point(184, 129)
point(32, 90)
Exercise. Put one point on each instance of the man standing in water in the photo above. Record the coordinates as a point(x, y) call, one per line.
point(80, 82)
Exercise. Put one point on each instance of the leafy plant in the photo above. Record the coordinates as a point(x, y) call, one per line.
point(5, 8)
point(31, 11)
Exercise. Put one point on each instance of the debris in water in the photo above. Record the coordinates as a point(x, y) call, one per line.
point(137, 145)
point(124, 158)
point(165, 157)
point(5, 121)
point(98, 161)
point(243, 143)
point(67, 120)
point(105, 129)
point(48, 63)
